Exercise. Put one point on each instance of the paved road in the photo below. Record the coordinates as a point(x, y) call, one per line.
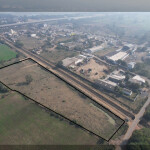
point(47, 20)
point(135, 122)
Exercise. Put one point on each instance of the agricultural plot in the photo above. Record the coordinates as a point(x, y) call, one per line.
point(39, 84)
point(6, 53)
point(8, 56)
point(23, 122)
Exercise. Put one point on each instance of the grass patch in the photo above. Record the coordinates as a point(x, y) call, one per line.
point(6, 53)
point(19, 117)
point(110, 119)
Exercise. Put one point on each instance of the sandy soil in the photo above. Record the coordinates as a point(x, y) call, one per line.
point(97, 70)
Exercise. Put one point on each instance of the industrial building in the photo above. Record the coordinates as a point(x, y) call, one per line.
point(127, 91)
point(116, 78)
point(117, 56)
point(131, 65)
point(108, 85)
point(68, 61)
point(137, 79)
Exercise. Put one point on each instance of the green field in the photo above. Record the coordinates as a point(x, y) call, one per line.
point(24, 122)
point(6, 53)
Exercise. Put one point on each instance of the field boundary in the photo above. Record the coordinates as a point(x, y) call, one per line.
point(55, 111)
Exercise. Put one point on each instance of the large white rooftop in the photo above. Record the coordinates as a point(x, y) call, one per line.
point(138, 78)
point(119, 55)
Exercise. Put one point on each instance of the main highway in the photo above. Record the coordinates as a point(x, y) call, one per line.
point(47, 20)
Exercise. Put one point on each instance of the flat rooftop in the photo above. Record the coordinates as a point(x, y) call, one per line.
point(118, 56)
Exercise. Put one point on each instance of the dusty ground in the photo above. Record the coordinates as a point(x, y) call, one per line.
point(30, 42)
point(57, 95)
point(105, 51)
point(96, 72)
point(137, 57)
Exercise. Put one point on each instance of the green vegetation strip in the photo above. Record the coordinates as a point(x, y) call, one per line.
point(110, 119)
point(6, 53)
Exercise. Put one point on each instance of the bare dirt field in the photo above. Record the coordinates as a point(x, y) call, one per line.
point(137, 57)
point(52, 92)
point(56, 55)
point(105, 51)
point(30, 42)
point(97, 70)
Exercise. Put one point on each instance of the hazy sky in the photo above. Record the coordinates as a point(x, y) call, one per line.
point(75, 5)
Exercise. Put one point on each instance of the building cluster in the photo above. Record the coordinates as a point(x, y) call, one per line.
point(117, 77)
point(73, 62)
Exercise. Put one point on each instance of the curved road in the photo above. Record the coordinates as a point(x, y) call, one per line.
point(135, 122)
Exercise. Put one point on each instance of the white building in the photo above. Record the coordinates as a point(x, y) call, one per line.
point(117, 56)
point(131, 65)
point(137, 79)
point(33, 35)
point(68, 61)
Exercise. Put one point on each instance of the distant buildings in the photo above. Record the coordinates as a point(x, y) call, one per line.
point(74, 61)
point(33, 35)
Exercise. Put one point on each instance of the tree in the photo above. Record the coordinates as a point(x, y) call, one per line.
point(28, 79)
point(3, 89)
point(18, 44)
point(59, 64)
point(147, 114)
point(122, 63)
point(140, 140)
point(127, 77)
point(125, 48)
point(2, 41)
point(133, 86)
point(141, 49)
point(118, 90)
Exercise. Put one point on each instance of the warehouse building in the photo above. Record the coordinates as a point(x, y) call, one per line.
point(131, 65)
point(127, 91)
point(108, 85)
point(120, 55)
point(137, 79)
point(116, 78)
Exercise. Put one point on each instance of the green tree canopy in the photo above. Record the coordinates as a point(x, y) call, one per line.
point(140, 140)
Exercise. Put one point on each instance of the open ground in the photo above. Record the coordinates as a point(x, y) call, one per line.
point(51, 92)
point(24, 122)
point(57, 55)
point(30, 42)
point(97, 70)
